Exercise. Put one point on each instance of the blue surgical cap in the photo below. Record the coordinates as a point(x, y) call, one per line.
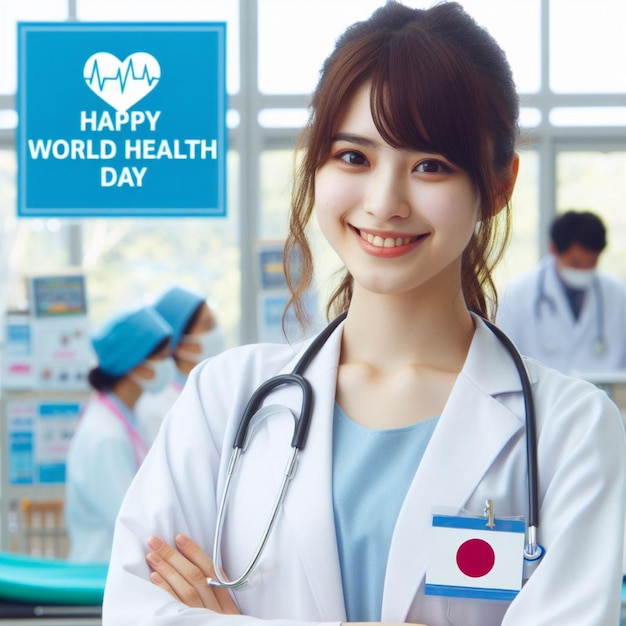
point(177, 305)
point(128, 338)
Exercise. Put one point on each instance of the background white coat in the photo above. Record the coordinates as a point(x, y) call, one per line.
point(477, 451)
point(555, 337)
point(101, 464)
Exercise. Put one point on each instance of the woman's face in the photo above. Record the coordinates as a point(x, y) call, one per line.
point(144, 370)
point(203, 340)
point(398, 218)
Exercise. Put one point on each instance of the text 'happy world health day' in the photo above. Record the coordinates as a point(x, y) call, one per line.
point(131, 149)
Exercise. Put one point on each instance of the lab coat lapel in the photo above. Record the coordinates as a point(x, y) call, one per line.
point(308, 506)
point(587, 324)
point(564, 323)
point(561, 321)
point(472, 430)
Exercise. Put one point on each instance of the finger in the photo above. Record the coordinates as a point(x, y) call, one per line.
point(203, 561)
point(181, 589)
point(184, 577)
point(159, 581)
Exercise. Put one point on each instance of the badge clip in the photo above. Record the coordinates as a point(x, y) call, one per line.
point(490, 513)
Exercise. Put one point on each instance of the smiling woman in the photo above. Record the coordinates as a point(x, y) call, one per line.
point(478, 136)
point(409, 397)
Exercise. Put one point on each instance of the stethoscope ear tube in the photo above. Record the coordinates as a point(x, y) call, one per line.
point(302, 423)
point(298, 441)
point(319, 341)
point(296, 377)
point(533, 549)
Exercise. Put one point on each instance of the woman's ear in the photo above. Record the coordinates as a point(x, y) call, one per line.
point(143, 371)
point(506, 184)
point(510, 178)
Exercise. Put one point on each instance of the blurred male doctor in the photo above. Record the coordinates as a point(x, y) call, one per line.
point(566, 313)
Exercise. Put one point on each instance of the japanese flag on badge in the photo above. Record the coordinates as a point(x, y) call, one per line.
point(470, 560)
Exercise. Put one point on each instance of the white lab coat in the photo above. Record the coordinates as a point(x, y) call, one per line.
point(476, 452)
point(101, 464)
point(554, 337)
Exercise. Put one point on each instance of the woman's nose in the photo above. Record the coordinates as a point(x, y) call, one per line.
point(387, 196)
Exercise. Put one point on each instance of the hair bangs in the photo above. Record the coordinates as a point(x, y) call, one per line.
point(338, 83)
point(422, 98)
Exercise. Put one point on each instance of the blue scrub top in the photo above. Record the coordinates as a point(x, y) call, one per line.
point(370, 467)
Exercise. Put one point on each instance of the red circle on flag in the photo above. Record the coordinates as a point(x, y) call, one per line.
point(475, 558)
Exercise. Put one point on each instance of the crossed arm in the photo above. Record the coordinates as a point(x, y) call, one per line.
point(183, 570)
point(183, 573)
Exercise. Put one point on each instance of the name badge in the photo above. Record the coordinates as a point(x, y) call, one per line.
point(473, 557)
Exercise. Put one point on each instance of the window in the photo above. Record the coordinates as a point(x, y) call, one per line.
point(296, 37)
point(572, 99)
point(12, 12)
point(596, 181)
point(587, 46)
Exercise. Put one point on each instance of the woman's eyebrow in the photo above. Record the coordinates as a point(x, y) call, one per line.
point(357, 139)
point(360, 140)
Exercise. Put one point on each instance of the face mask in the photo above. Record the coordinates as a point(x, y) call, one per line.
point(575, 278)
point(211, 343)
point(164, 371)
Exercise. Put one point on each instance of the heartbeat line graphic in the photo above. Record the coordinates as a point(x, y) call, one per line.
point(121, 83)
point(122, 79)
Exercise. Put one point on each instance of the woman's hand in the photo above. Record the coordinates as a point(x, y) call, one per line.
point(183, 573)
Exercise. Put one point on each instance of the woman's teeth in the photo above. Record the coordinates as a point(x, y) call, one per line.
point(387, 242)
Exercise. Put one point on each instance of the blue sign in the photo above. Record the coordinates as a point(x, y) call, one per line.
point(121, 119)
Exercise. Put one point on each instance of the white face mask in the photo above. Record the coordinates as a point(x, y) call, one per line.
point(210, 342)
point(576, 278)
point(164, 371)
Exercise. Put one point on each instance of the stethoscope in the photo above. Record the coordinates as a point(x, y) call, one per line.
point(599, 344)
point(533, 551)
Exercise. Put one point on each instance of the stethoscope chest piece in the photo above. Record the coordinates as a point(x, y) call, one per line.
point(532, 558)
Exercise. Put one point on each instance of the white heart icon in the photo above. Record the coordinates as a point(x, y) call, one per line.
point(122, 83)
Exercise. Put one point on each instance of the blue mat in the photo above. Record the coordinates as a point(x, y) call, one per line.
point(50, 581)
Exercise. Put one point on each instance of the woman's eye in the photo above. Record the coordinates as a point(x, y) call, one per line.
point(432, 167)
point(352, 158)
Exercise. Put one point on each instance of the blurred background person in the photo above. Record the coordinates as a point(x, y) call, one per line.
point(196, 336)
point(566, 312)
point(109, 445)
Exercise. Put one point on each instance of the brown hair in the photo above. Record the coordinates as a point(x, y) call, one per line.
point(439, 83)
